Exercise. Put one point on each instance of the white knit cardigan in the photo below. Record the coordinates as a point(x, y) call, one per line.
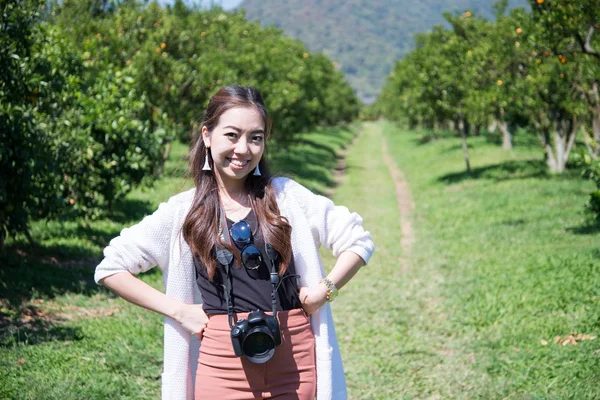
point(157, 240)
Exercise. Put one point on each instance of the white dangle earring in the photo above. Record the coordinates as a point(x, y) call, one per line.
point(257, 171)
point(206, 166)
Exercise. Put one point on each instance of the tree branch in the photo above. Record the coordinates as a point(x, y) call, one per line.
point(586, 47)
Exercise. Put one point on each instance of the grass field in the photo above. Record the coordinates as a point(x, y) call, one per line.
point(503, 264)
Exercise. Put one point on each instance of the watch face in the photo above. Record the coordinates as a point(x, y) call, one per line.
point(332, 295)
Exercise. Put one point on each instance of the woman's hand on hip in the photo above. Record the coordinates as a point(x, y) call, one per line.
point(192, 317)
point(313, 298)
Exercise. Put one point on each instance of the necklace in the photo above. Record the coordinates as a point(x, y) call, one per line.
point(234, 208)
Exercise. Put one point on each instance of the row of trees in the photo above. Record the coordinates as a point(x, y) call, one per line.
point(92, 93)
point(537, 68)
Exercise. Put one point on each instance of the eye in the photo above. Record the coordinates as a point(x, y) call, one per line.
point(258, 138)
point(231, 135)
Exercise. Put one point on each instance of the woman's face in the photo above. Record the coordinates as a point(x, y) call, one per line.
point(237, 144)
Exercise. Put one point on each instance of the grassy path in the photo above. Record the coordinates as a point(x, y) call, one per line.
point(383, 316)
point(405, 206)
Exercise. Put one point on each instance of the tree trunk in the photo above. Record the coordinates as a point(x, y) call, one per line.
point(593, 97)
point(589, 144)
point(466, 128)
point(167, 151)
point(548, 153)
point(506, 135)
point(596, 131)
point(29, 238)
point(596, 127)
point(559, 150)
point(462, 127)
point(451, 125)
point(596, 115)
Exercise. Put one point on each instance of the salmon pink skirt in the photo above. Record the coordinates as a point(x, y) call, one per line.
point(289, 374)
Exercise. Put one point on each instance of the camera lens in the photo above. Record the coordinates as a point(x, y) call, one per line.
point(259, 345)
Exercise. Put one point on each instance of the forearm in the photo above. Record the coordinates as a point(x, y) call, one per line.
point(140, 293)
point(346, 266)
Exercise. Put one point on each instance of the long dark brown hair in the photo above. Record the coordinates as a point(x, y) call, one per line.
point(201, 226)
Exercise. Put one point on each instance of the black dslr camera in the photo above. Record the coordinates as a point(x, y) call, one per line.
point(256, 337)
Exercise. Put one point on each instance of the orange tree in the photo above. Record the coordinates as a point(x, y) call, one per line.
point(570, 29)
point(481, 71)
point(179, 56)
point(442, 77)
point(402, 95)
point(498, 60)
point(27, 169)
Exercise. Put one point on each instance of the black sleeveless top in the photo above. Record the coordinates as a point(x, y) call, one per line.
point(251, 289)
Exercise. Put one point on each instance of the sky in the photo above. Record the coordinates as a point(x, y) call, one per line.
point(226, 4)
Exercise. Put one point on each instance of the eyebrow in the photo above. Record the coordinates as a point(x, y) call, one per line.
point(239, 130)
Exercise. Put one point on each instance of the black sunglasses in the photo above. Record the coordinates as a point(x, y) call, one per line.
point(241, 234)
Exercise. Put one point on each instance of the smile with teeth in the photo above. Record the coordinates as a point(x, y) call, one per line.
point(239, 163)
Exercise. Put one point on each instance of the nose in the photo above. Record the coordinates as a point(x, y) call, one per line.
point(241, 147)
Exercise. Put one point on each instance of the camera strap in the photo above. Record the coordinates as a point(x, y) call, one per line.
point(225, 258)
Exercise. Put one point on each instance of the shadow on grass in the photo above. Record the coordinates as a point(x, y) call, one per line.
point(318, 147)
point(45, 278)
point(130, 210)
point(426, 136)
point(455, 147)
point(500, 172)
point(308, 168)
point(591, 227)
point(63, 264)
point(312, 159)
point(35, 331)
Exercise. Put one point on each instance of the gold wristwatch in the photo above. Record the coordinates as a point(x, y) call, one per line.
point(332, 291)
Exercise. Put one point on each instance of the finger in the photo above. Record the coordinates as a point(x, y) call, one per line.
point(199, 334)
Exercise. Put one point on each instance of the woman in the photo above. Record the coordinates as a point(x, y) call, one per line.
point(185, 235)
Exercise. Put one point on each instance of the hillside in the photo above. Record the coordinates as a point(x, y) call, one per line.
point(365, 37)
